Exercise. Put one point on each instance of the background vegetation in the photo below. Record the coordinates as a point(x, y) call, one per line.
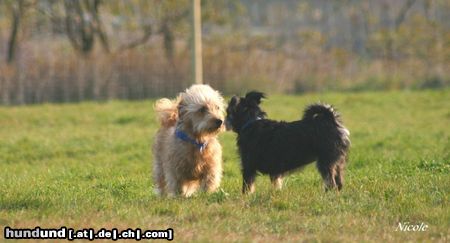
point(89, 165)
point(61, 51)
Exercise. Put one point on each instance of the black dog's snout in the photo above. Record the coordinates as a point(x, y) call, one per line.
point(218, 122)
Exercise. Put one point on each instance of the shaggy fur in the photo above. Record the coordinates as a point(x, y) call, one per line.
point(179, 166)
point(274, 148)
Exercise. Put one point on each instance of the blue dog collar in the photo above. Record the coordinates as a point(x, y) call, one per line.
point(183, 136)
point(250, 122)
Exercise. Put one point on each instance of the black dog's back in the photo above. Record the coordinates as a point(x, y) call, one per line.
point(273, 147)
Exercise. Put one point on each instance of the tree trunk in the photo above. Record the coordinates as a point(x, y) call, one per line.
point(17, 11)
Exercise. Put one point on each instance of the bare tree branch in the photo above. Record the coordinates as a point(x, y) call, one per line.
point(402, 14)
point(147, 34)
point(98, 26)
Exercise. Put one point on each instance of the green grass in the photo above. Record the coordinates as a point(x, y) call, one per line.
point(89, 165)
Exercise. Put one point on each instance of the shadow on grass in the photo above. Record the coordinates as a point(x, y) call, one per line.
point(16, 204)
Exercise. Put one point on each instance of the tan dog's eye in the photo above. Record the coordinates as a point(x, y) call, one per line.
point(203, 109)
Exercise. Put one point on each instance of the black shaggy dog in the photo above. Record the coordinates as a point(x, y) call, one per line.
point(276, 147)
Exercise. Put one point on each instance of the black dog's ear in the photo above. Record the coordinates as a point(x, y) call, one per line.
point(181, 107)
point(234, 101)
point(255, 96)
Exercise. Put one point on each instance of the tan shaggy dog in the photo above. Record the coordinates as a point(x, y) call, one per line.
point(186, 151)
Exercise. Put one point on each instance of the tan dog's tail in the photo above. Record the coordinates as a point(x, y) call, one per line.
point(166, 112)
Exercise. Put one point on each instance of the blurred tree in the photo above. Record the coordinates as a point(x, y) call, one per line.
point(175, 16)
point(392, 34)
point(17, 9)
point(402, 14)
point(165, 18)
point(83, 24)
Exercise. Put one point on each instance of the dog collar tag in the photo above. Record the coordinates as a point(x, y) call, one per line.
point(202, 147)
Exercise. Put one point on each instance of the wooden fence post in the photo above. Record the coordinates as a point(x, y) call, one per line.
point(197, 64)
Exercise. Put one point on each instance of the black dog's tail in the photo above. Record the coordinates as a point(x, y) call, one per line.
point(324, 113)
point(321, 112)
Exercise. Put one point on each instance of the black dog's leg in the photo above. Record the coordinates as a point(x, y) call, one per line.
point(328, 171)
point(249, 180)
point(277, 181)
point(339, 177)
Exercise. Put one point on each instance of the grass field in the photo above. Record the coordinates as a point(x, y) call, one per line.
point(89, 165)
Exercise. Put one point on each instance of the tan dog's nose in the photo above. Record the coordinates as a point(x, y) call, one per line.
point(218, 122)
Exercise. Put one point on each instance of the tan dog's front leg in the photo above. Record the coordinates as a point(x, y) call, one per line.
point(212, 173)
point(173, 185)
point(212, 177)
point(189, 188)
point(158, 177)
